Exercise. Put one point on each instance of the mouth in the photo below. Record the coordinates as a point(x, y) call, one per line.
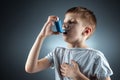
point(65, 32)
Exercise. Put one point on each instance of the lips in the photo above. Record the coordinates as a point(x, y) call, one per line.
point(65, 32)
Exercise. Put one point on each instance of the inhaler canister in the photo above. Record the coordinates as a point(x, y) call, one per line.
point(58, 25)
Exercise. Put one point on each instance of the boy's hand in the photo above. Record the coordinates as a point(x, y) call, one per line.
point(46, 30)
point(71, 71)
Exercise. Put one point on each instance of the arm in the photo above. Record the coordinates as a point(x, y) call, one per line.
point(108, 78)
point(33, 64)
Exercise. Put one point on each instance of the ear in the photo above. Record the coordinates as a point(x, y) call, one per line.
point(87, 31)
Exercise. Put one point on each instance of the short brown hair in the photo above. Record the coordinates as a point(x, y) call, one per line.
point(85, 14)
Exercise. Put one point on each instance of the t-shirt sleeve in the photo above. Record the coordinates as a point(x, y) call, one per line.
point(102, 68)
point(49, 56)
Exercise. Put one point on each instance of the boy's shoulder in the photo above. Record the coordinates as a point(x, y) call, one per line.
point(98, 54)
point(95, 51)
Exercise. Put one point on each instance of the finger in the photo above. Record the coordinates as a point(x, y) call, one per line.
point(52, 18)
point(55, 33)
point(62, 70)
point(63, 74)
point(63, 66)
point(48, 23)
point(74, 63)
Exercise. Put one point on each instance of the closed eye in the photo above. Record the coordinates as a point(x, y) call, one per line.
point(72, 22)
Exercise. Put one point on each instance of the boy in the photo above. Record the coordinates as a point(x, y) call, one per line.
point(78, 61)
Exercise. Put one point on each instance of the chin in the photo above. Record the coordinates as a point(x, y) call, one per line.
point(69, 40)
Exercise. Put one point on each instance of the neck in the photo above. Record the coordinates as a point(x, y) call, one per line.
point(77, 44)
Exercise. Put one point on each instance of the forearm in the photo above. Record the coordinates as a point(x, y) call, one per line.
point(81, 76)
point(34, 54)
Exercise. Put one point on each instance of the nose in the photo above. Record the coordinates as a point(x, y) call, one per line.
point(66, 26)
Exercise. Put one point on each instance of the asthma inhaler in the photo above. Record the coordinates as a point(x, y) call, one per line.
point(58, 25)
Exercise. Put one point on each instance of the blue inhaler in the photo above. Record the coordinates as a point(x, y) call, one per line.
point(58, 25)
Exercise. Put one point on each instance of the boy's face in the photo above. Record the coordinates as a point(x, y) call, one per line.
point(74, 27)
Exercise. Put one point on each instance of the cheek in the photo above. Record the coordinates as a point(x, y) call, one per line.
point(77, 35)
point(73, 36)
point(76, 32)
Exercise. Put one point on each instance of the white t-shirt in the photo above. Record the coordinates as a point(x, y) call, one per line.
point(91, 62)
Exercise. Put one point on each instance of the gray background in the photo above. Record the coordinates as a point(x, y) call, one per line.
point(22, 20)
